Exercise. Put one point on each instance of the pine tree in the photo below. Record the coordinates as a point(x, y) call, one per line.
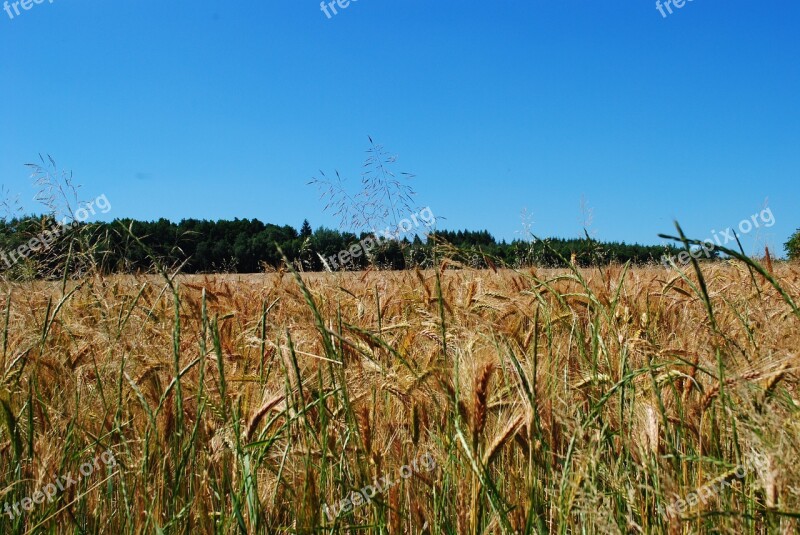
point(305, 230)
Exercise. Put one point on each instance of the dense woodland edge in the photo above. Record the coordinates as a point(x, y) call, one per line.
point(251, 246)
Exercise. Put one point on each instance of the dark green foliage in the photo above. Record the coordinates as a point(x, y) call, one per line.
point(793, 246)
point(249, 246)
point(305, 230)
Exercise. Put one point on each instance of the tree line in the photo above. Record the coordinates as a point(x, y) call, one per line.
point(251, 246)
point(793, 246)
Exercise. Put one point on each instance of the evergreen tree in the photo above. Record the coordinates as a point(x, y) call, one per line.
point(305, 230)
point(247, 245)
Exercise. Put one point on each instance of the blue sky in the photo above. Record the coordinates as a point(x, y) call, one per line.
point(213, 109)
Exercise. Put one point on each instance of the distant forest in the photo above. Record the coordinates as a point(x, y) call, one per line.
point(250, 246)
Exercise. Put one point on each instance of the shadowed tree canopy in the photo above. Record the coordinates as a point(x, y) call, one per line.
point(250, 246)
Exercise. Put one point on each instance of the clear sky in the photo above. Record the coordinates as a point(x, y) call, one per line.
point(213, 109)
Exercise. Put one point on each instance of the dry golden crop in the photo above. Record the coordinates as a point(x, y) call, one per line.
point(461, 401)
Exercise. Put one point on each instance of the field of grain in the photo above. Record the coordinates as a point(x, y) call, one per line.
point(608, 400)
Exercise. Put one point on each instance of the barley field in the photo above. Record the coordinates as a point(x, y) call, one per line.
point(606, 400)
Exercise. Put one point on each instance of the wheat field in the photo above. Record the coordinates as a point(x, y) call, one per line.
point(606, 400)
